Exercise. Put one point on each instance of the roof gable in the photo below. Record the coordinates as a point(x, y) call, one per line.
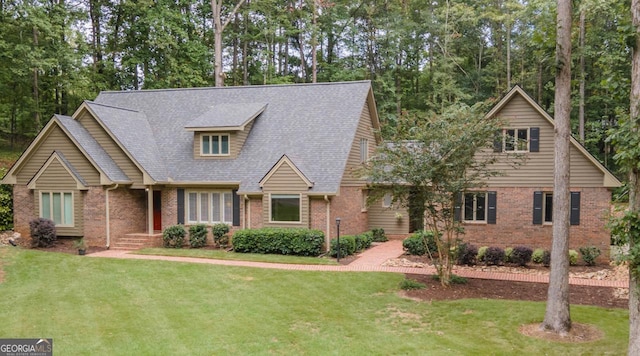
point(609, 180)
point(284, 160)
point(226, 117)
point(58, 157)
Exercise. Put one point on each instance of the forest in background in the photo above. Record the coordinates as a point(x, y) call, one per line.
point(421, 56)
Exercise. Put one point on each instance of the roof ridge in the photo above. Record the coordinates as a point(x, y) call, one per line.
point(112, 107)
point(232, 87)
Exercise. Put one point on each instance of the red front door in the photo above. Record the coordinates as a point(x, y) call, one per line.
point(157, 211)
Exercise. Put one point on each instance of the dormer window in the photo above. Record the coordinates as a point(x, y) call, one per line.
point(215, 145)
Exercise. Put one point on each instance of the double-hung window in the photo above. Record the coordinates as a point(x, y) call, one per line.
point(475, 206)
point(543, 208)
point(215, 145)
point(209, 207)
point(516, 140)
point(285, 208)
point(57, 206)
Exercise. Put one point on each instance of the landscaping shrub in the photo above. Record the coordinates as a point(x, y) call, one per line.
point(198, 235)
point(363, 241)
point(481, 252)
point(507, 254)
point(467, 254)
point(283, 241)
point(219, 232)
point(546, 258)
point(537, 255)
point(494, 256)
point(410, 284)
point(420, 242)
point(348, 246)
point(589, 254)
point(6, 205)
point(521, 255)
point(173, 236)
point(43, 232)
point(573, 257)
point(378, 235)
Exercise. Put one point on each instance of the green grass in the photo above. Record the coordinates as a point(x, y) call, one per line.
point(224, 255)
point(96, 306)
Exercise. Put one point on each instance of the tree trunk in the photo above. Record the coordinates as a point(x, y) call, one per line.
point(218, 28)
point(557, 316)
point(581, 119)
point(634, 184)
point(36, 92)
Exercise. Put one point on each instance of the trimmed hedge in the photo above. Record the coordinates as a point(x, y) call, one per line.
point(173, 236)
point(467, 254)
point(350, 244)
point(494, 256)
point(198, 235)
point(521, 255)
point(378, 235)
point(420, 243)
point(283, 241)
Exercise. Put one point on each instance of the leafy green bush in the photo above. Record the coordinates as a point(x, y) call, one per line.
point(521, 255)
point(173, 236)
point(467, 254)
point(219, 232)
point(589, 254)
point(410, 284)
point(507, 254)
point(363, 241)
point(481, 252)
point(43, 232)
point(420, 243)
point(283, 241)
point(348, 246)
point(378, 235)
point(537, 255)
point(6, 205)
point(573, 257)
point(198, 235)
point(494, 256)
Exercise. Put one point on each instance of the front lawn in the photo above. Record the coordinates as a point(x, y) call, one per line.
point(224, 255)
point(103, 306)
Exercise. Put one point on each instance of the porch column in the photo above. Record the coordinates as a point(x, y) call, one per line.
point(150, 210)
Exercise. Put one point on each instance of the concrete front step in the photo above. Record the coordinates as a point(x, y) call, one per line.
point(137, 241)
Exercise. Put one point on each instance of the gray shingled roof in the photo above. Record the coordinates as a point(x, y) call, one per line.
point(92, 148)
point(227, 115)
point(313, 124)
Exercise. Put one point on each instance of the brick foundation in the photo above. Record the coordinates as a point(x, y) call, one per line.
point(23, 209)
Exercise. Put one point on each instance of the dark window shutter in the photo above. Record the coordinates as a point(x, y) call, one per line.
point(497, 141)
point(492, 201)
point(180, 206)
point(534, 144)
point(575, 208)
point(537, 208)
point(457, 207)
point(236, 208)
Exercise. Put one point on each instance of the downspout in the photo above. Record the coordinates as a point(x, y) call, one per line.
point(327, 236)
point(246, 223)
point(107, 213)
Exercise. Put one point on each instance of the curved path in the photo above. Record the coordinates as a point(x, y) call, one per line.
point(370, 260)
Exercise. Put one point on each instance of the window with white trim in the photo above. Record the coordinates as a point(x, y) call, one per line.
point(364, 150)
point(214, 145)
point(209, 207)
point(515, 140)
point(285, 208)
point(475, 206)
point(57, 206)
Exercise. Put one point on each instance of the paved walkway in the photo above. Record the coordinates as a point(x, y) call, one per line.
point(370, 260)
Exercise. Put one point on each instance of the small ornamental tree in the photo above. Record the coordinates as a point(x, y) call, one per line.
point(429, 161)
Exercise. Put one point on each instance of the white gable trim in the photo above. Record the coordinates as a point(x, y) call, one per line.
point(609, 180)
point(285, 160)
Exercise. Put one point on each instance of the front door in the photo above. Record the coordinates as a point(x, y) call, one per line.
point(157, 210)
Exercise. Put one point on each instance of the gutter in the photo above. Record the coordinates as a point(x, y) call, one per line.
point(107, 213)
point(246, 222)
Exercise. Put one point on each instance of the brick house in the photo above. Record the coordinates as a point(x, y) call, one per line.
point(130, 163)
point(515, 208)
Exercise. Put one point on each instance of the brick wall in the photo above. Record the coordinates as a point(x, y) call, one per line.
point(169, 200)
point(255, 220)
point(318, 214)
point(348, 207)
point(95, 226)
point(23, 209)
point(514, 221)
point(127, 211)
